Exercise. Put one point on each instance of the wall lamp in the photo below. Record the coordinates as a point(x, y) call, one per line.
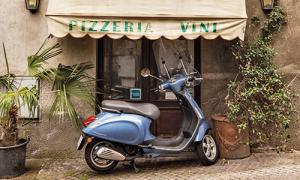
point(267, 4)
point(32, 5)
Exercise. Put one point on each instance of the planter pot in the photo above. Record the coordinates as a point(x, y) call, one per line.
point(12, 159)
point(232, 143)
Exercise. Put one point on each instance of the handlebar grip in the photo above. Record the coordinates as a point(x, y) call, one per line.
point(200, 79)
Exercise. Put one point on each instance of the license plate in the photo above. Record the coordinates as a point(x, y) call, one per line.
point(80, 141)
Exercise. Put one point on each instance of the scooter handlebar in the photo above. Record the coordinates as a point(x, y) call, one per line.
point(166, 85)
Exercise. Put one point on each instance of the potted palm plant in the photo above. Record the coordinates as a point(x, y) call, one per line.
point(69, 83)
point(13, 148)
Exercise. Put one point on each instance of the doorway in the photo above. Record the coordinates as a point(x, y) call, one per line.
point(118, 72)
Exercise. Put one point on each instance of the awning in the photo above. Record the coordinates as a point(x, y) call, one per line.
point(153, 19)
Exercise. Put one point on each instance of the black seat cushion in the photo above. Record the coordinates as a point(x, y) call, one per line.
point(144, 109)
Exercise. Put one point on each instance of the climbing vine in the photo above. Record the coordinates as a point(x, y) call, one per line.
point(258, 98)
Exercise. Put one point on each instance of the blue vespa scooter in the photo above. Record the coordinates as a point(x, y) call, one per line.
point(121, 132)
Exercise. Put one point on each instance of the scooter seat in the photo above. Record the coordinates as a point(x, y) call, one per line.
point(144, 109)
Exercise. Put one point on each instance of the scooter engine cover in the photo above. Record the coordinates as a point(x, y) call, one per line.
point(122, 128)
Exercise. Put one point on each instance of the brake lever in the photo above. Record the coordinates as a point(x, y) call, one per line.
point(192, 73)
point(154, 89)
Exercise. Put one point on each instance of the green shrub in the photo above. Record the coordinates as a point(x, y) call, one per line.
point(258, 98)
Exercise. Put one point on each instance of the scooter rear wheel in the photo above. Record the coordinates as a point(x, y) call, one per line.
point(207, 149)
point(96, 163)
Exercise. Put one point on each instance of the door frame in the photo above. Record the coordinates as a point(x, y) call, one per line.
point(145, 55)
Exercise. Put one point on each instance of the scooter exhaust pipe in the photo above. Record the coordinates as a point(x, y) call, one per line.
point(110, 154)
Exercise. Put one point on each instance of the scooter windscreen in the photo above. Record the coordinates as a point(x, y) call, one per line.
point(172, 54)
point(191, 72)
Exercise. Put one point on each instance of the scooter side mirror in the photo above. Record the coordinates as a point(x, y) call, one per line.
point(145, 72)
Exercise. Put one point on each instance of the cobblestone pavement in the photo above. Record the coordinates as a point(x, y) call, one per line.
point(258, 166)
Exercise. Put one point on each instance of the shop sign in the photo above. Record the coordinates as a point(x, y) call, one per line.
point(127, 26)
point(150, 28)
point(135, 94)
point(170, 19)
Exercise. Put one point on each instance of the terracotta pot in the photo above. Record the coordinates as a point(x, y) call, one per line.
point(12, 159)
point(232, 144)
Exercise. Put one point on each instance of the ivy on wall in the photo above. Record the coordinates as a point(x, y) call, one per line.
point(258, 98)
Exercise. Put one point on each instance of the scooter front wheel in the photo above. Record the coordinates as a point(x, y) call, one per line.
point(207, 149)
point(96, 163)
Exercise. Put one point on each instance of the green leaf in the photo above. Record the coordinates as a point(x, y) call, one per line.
point(36, 62)
point(27, 97)
point(71, 82)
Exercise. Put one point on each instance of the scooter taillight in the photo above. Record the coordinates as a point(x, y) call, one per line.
point(89, 120)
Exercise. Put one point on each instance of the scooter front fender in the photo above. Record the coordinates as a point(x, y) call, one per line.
point(204, 127)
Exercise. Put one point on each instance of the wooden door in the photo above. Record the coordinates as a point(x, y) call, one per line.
point(113, 73)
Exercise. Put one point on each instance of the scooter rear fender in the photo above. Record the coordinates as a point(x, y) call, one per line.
point(122, 128)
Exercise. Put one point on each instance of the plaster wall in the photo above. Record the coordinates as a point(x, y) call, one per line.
point(287, 59)
point(218, 65)
point(23, 33)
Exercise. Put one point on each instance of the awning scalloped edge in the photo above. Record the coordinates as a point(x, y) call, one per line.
point(229, 38)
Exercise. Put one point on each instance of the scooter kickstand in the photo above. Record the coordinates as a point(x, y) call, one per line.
point(137, 170)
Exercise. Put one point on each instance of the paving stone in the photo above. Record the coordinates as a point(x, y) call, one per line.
point(258, 166)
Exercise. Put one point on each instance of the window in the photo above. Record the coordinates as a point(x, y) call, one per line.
point(122, 62)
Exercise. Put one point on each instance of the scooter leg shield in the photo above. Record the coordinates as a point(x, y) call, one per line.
point(204, 127)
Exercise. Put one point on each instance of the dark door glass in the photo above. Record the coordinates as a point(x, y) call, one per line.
point(122, 62)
